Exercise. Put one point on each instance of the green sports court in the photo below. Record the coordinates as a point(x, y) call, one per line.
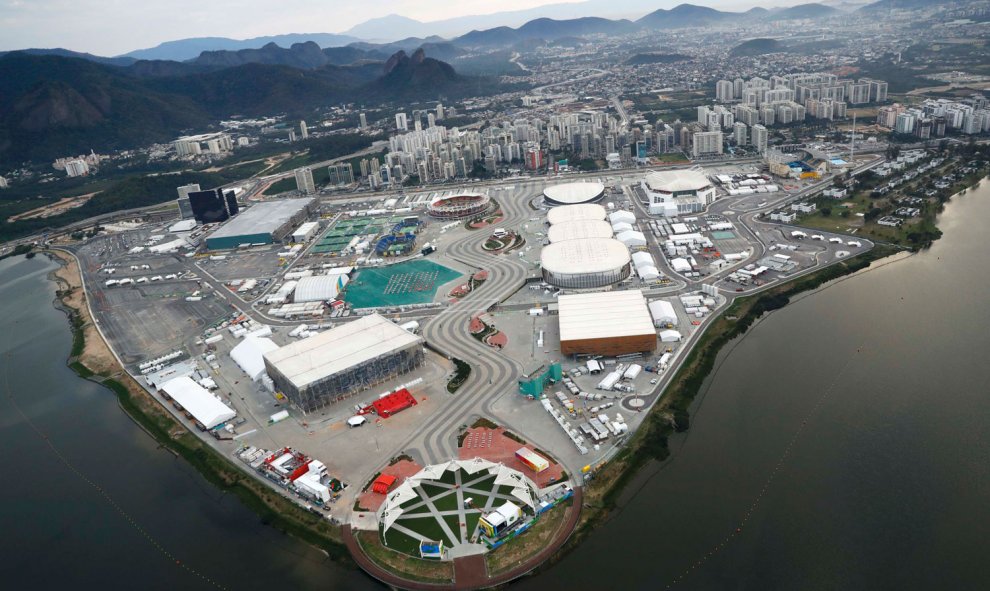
point(402, 284)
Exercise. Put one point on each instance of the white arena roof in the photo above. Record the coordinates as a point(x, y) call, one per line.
point(573, 213)
point(604, 314)
point(579, 229)
point(335, 350)
point(573, 193)
point(584, 256)
point(672, 181)
point(198, 401)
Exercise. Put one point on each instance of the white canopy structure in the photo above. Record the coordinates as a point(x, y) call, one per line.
point(523, 489)
point(631, 238)
point(648, 272)
point(249, 355)
point(642, 258)
point(663, 313)
point(320, 288)
point(620, 227)
point(680, 265)
point(197, 401)
point(622, 216)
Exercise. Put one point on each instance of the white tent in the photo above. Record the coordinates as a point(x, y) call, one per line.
point(319, 288)
point(669, 336)
point(680, 265)
point(663, 312)
point(622, 216)
point(642, 258)
point(249, 355)
point(632, 238)
point(648, 272)
point(197, 401)
point(620, 227)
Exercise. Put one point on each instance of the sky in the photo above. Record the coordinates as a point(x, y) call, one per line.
point(113, 27)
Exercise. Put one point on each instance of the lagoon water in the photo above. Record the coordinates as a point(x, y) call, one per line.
point(846, 437)
point(154, 522)
point(843, 443)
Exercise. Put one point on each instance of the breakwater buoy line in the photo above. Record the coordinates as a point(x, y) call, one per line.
point(67, 463)
point(781, 462)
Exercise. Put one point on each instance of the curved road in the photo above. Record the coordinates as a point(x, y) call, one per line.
point(492, 373)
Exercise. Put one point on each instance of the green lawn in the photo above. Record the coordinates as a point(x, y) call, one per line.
point(401, 542)
point(425, 524)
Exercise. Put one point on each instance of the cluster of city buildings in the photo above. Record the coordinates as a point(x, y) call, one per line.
point(74, 166)
point(935, 116)
point(205, 143)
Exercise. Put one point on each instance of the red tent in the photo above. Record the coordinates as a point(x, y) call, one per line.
point(393, 403)
point(383, 483)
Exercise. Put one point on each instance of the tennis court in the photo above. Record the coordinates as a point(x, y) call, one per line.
point(723, 235)
point(411, 282)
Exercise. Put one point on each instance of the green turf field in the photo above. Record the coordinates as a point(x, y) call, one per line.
point(411, 282)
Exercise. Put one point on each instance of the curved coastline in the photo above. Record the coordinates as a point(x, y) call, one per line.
point(600, 495)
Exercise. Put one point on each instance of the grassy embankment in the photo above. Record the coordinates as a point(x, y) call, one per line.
point(414, 569)
point(90, 358)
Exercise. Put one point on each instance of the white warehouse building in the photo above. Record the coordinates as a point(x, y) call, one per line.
point(678, 192)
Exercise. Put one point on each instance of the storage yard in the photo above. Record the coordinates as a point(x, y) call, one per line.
point(323, 346)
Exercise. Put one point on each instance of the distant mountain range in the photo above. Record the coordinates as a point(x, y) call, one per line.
point(53, 105)
point(408, 35)
point(187, 49)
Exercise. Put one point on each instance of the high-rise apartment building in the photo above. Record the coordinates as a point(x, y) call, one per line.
point(304, 181)
point(759, 138)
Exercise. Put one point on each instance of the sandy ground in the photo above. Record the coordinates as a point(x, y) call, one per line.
point(96, 355)
point(58, 207)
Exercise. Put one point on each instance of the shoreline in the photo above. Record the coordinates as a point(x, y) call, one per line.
point(670, 414)
point(91, 359)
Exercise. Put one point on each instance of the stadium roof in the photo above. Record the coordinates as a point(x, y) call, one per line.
point(579, 229)
point(604, 315)
point(335, 350)
point(262, 218)
point(572, 193)
point(447, 195)
point(584, 255)
point(677, 180)
point(570, 213)
point(198, 401)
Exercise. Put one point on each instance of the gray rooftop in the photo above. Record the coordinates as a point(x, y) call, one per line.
point(262, 218)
